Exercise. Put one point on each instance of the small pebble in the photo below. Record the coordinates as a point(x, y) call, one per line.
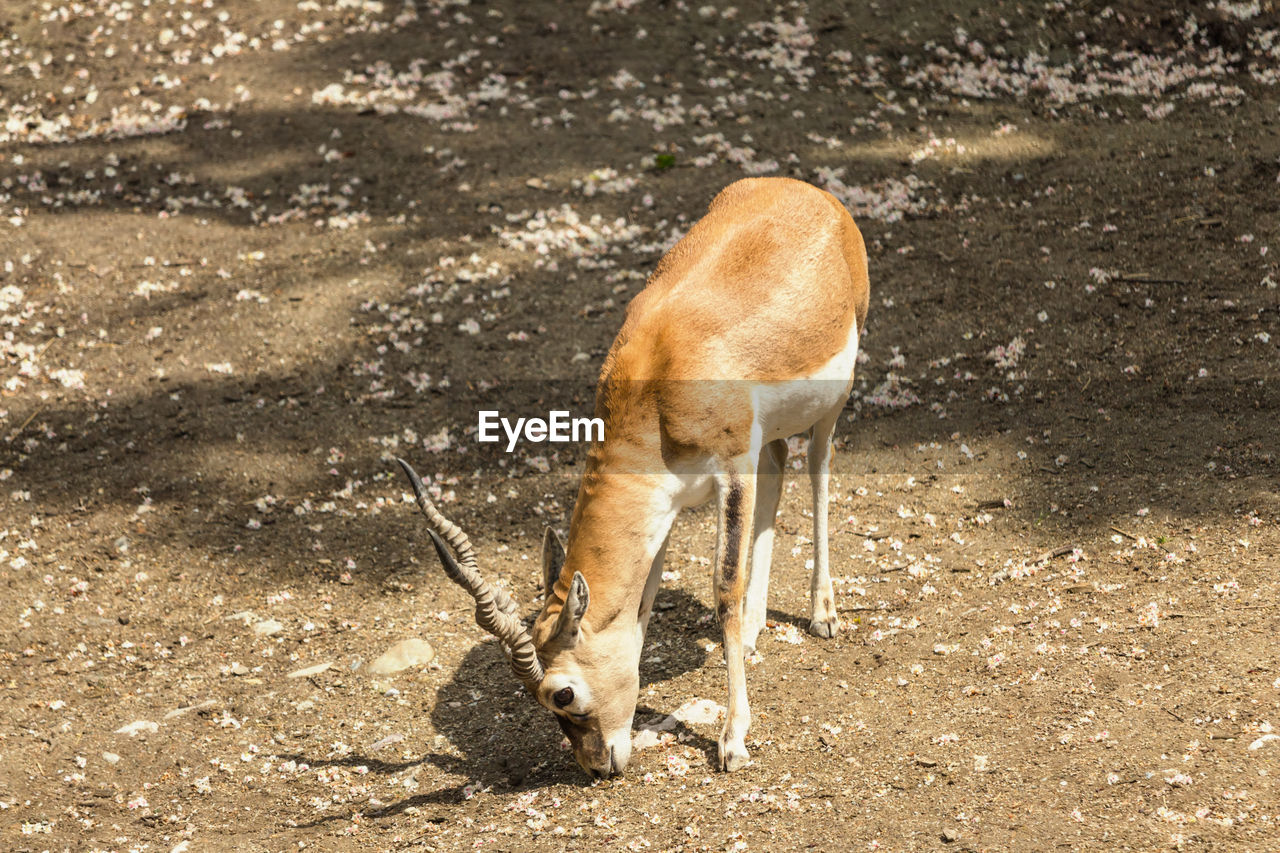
point(402, 656)
point(267, 627)
point(387, 741)
point(310, 670)
point(178, 712)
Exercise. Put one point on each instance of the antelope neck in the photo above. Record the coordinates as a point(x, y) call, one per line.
point(620, 521)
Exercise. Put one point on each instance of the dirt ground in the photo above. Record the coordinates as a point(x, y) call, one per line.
point(251, 251)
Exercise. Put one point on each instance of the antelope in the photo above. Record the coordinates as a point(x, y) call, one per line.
point(745, 334)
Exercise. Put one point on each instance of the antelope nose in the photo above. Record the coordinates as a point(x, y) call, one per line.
point(611, 769)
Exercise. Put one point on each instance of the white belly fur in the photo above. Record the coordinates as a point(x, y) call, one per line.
point(783, 409)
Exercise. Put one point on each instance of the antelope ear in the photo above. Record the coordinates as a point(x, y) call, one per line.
point(575, 607)
point(552, 560)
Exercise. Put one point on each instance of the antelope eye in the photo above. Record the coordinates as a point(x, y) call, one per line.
point(563, 697)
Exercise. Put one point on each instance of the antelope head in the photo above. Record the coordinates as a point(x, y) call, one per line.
point(589, 681)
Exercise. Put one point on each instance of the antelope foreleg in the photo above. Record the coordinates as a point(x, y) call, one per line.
point(768, 492)
point(737, 492)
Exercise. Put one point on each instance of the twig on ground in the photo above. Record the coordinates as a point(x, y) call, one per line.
point(17, 432)
point(1126, 534)
point(1120, 782)
point(1056, 552)
point(91, 268)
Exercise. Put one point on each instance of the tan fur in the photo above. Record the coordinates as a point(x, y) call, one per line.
point(764, 288)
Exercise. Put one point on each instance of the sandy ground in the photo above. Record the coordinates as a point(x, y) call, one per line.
point(251, 251)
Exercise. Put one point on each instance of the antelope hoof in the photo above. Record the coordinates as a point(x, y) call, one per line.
point(824, 627)
point(733, 756)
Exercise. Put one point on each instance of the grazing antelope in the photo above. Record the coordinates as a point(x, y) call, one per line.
point(746, 334)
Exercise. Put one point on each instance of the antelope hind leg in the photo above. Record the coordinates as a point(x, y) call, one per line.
point(824, 622)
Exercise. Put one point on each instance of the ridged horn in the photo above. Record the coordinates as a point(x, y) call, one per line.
point(495, 611)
